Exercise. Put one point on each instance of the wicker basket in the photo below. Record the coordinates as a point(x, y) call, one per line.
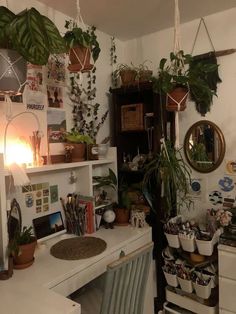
point(132, 117)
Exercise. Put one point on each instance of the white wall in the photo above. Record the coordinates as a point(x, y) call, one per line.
point(222, 28)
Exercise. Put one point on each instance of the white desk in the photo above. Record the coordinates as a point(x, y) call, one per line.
point(42, 288)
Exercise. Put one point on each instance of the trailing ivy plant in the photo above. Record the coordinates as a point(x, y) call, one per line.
point(113, 56)
point(85, 111)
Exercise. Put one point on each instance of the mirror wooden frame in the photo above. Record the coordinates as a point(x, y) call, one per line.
point(221, 142)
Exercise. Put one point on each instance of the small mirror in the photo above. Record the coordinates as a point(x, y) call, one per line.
point(204, 146)
point(14, 220)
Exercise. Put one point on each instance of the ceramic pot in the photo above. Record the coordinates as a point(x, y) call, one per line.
point(26, 256)
point(102, 151)
point(179, 96)
point(122, 216)
point(128, 77)
point(79, 59)
point(79, 152)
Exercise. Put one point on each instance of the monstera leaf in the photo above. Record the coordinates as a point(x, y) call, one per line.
point(34, 36)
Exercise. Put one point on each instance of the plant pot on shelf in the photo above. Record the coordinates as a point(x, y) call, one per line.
point(128, 77)
point(122, 216)
point(79, 151)
point(173, 240)
point(102, 151)
point(144, 76)
point(26, 255)
point(186, 285)
point(176, 99)
point(13, 68)
point(79, 59)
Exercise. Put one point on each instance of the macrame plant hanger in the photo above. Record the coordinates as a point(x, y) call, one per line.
point(177, 49)
point(80, 58)
point(211, 78)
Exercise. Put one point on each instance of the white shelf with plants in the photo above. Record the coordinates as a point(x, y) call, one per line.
point(75, 177)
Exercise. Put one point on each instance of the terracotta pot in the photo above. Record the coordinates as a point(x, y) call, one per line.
point(79, 151)
point(122, 216)
point(79, 59)
point(26, 257)
point(178, 96)
point(145, 75)
point(128, 77)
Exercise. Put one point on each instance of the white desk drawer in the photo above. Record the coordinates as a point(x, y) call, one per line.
point(134, 245)
point(227, 264)
point(77, 281)
point(227, 295)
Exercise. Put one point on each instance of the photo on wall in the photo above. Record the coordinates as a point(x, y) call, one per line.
point(55, 96)
point(56, 125)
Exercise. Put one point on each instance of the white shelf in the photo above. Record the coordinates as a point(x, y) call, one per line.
point(188, 303)
point(63, 166)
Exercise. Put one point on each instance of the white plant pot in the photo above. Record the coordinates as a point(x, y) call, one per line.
point(171, 279)
point(188, 245)
point(173, 240)
point(102, 151)
point(205, 247)
point(202, 291)
point(186, 285)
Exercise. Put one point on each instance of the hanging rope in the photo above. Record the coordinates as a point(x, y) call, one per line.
point(177, 48)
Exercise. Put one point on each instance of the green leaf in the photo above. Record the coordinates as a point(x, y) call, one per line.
point(28, 34)
point(56, 42)
point(6, 17)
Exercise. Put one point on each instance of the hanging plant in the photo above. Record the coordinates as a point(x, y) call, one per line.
point(81, 44)
point(85, 110)
point(113, 56)
point(183, 72)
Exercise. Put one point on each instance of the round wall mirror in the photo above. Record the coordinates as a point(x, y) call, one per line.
point(204, 146)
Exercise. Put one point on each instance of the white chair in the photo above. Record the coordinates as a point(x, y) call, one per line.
point(124, 286)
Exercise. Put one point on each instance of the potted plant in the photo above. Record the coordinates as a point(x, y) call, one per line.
point(81, 45)
point(127, 73)
point(182, 76)
point(27, 36)
point(144, 74)
point(169, 172)
point(78, 141)
point(22, 248)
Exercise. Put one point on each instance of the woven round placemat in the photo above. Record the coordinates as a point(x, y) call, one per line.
point(78, 248)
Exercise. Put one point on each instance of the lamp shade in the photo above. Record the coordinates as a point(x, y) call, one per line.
point(13, 69)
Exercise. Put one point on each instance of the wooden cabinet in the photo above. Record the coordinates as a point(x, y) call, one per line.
point(133, 101)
